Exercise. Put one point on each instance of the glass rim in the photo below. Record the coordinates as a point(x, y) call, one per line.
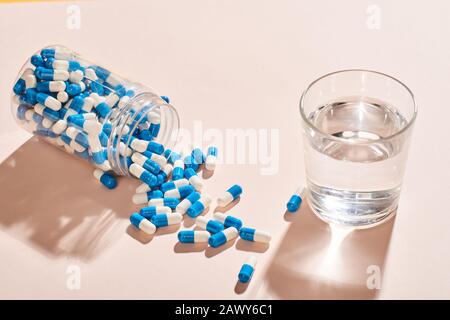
point(331, 137)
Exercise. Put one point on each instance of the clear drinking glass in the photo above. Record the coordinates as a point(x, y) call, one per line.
point(357, 127)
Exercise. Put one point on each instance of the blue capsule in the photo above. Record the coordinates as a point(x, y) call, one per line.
point(228, 221)
point(198, 156)
point(37, 61)
point(191, 236)
point(295, 201)
point(189, 162)
point(103, 109)
point(166, 219)
point(222, 237)
point(106, 179)
point(247, 269)
point(21, 109)
point(213, 226)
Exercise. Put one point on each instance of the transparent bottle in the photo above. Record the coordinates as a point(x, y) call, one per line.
point(89, 111)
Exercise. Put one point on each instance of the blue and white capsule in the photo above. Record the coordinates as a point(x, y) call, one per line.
point(143, 145)
point(295, 201)
point(193, 236)
point(187, 202)
point(174, 184)
point(159, 159)
point(48, 101)
point(166, 219)
point(150, 211)
point(230, 195)
point(142, 224)
point(199, 206)
point(193, 179)
point(178, 170)
point(141, 198)
point(211, 158)
point(167, 202)
point(105, 178)
point(254, 235)
point(146, 163)
point(222, 237)
point(143, 175)
point(247, 269)
point(20, 85)
point(51, 74)
point(208, 224)
point(50, 86)
point(180, 192)
point(228, 221)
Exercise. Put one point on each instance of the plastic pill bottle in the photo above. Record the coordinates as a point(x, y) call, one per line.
point(55, 84)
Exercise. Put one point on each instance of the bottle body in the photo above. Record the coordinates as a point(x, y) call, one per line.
point(89, 111)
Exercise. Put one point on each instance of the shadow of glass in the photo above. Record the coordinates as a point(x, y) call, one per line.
point(317, 261)
point(51, 201)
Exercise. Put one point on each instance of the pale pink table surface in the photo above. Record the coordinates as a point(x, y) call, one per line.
point(229, 65)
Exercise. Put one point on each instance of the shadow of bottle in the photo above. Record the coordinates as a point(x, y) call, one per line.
point(51, 201)
point(319, 261)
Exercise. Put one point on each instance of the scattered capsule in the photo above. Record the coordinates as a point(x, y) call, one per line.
point(228, 221)
point(106, 179)
point(150, 211)
point(295, 201)
point(247, 269)
point(141, 198)
point(143, 175)
point(198, 156)
point(142, 224)
point(168, 202)
point(193, 236)
point(174, 184)
point(180, 192)
point(166, 219)
point(193, 179)
point(251, 234)
point(199, 206)
point(230, 195)
point(222, 237)
point(213, 226)
point(211, 159)
point(187, 202)
point(178, 170)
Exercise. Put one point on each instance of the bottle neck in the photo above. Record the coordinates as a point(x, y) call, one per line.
point(139, 116)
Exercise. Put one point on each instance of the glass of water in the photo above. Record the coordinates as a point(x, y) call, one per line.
point(357, 126)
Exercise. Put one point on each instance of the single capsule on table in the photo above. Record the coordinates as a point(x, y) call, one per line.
point(222, 237)
point(208, 224)
point(181, 192)
point(106, 179)
point(199, 206)
point(187, 202)
point(166, 219)
point(168, 202)
point(230, 195)
point(295, 201)
point(141, 198)
point(228, 221)
point(174, 184)
point(193, 236)
point(247, 269)
point(251, 234)
point(193, 179)
point(150, 211)
point(142, 224)
point(211, 159)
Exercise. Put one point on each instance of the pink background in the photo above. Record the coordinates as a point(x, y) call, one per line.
point(230, 65)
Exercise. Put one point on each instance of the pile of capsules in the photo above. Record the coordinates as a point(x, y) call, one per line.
point(74, 105)
point(181, 195)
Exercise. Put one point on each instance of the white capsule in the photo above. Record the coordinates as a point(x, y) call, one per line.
point(90, 74)
point(76, 76)
point(262, 236)
point(159, 159)
point(124, 150)
point(52, 103)
point(30, 81)
point(196, 182)
point(69, 149)
point(47, 123)
point(143, 188)
point(62, 96)
point(60, 75)
point(112, 99)
point(140, 198)
point(139, 145)
point(174, 218)
point(154, 117)
point(123, 101)
point(88, 104)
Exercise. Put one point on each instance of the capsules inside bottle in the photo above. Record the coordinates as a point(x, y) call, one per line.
point(89, 111)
